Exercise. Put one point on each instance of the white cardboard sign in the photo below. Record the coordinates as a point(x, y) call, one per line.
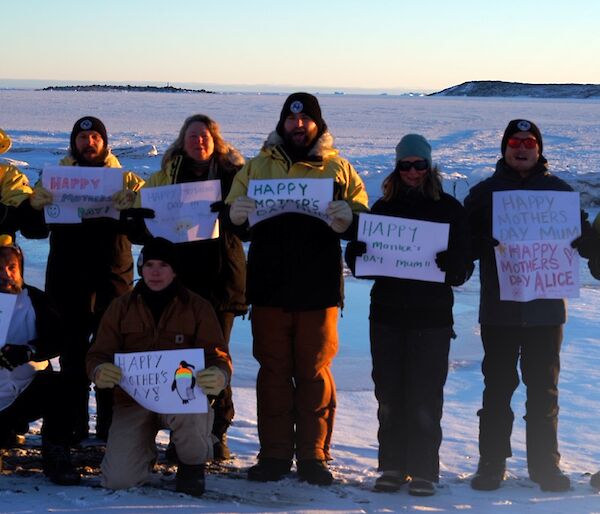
point(534, 258)
point(182, 211)
point(401, 247)
point(309, 196)
point(7, 307)
point(81, 192)
point(164, 381)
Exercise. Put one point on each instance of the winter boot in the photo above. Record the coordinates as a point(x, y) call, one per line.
point(269, 470)
point(390, 481)
point(314, 472)
point(489, 475)
point(595, 480)
point(551, 479)
point(56, 462)
point(190, 479)
point(221, 451)
point(421, 487)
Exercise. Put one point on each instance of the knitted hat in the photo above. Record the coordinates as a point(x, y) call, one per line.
point(7, 243)
point(413, 145)
point(160, 249)
point(305, 103)
point(521, 126)
point(88, 123)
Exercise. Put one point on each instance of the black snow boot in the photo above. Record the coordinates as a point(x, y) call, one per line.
point(551, 479)
point(221, 451)
point(314, 472)
point(56, 462)
point(489, 475)
point(269, 470)
point(190, 479)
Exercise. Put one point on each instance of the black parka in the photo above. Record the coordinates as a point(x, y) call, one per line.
point(492, 310)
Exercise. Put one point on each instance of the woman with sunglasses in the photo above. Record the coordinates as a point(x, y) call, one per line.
point(529, 332)
point(411, 326)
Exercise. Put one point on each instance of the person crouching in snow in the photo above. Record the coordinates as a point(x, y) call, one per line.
point(29, 389)
point(159, 314)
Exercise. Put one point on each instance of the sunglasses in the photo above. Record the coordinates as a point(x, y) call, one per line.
point(527, 142)
point(417, 165)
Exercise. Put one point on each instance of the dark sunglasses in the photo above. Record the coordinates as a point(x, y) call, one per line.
point(527, 142)
point(407, 165)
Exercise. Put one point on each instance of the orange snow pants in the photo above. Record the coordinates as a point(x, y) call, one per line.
point(295, 387)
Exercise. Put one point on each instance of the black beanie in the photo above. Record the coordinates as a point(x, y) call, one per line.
point(521, 126)
point(160, 249)
point(302, 102)
point(88, 123)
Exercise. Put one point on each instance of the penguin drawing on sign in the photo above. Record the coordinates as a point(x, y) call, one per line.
point(184, 382)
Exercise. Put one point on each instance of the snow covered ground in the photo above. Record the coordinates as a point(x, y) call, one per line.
point(466, 137)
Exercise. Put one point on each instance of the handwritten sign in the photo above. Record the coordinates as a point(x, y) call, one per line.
point(401, 248)
point(164, 381)
point(534, 258)
point(7, 307)
point(303, 196)
point(81, 192)
point(183, 210)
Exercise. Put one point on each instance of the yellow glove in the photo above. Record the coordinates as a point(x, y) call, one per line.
point(123, 199)
point(107, 375)
point(341, 215)
point(211, 380)
point(40, 198)
point(241, 207)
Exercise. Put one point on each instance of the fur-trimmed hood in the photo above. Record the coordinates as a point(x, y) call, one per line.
point(323, 148)
point(233, 157)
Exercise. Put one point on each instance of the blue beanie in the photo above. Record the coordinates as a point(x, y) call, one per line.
point(413, 145)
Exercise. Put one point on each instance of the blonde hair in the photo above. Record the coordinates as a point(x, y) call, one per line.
point(222, 148)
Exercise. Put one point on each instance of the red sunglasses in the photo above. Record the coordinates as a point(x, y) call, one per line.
point(527, 142)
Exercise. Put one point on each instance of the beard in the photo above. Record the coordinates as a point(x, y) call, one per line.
point(90, 157)
point(11, 286)
point(298, 139)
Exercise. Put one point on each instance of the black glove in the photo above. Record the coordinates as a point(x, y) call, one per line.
point(356, 249)
point(454, 265)
point(13, 355)
point(587, 245)
point(483, 245)
point(137, 214)
point(217, 206)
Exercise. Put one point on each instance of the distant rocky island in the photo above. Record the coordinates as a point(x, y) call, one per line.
point(143, 89)
point(510, 89)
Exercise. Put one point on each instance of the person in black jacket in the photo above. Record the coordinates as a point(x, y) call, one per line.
point(213, 268)
point(411, 325)
point(89, 264)
point(531, 331)
point(29, 389)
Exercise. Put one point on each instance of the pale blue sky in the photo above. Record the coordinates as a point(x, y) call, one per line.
point(378, 44)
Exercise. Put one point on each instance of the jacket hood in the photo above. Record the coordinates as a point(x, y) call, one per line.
point(233, 157)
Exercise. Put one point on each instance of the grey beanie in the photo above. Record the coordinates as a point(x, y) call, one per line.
point(413, 145)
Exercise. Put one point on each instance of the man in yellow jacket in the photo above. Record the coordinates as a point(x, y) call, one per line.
point(14, 189)
point(89, 265)
point(294, 283)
